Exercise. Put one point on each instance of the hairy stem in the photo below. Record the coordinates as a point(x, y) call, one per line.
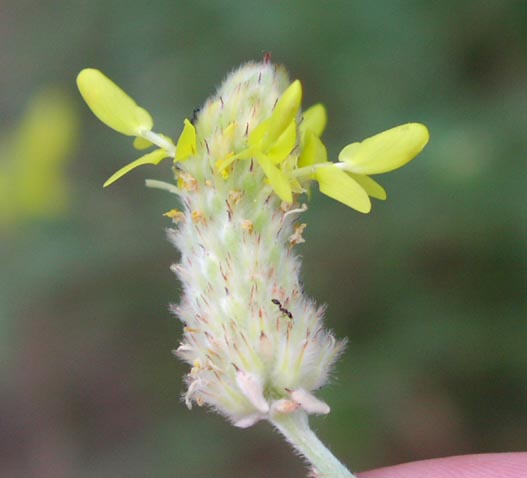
point(295, 428)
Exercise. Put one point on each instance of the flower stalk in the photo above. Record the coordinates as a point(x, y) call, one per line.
point(295, 428)
point(255, 343)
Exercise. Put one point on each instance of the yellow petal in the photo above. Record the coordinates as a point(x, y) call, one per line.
point(277, 179)
point(111, 104)
point(284, 112)
point(155, 157)
point(296, 187)
point(186, 144)
point(336, 184)
point(224, 163)
point(283, 146)
point(257, 134)
point(385, 151)
point(141, 143)
point(372, 187)
point(314, 120)
point(313, 151)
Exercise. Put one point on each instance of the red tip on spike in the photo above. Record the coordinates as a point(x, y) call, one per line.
point(267, 57)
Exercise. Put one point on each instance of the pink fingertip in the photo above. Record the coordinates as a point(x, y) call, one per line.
point(490, 465)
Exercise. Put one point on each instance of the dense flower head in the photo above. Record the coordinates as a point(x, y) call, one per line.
point(255, 343)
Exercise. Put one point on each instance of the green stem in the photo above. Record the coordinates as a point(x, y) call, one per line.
point(295, 428)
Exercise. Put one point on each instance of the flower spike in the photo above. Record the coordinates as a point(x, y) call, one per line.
point(256, 345)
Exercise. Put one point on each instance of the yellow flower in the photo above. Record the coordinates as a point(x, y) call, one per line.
point(348, 181)
point(33, 183)
point(285, 144)
point(120, 112)
point(272, 141)
point(112, 105)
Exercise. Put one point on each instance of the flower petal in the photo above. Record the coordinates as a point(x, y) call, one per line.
point(111, 104)
point(385, 151)
point(336, 184)
point(314, 120)
point(313, 151)
point(284, 144)
point(141, 143)
point(277, 179)
point(186, 144)
point(224, 163)
point(284, 112)
point(252, 388)
point(257, 134)
point(309, 402)
point(372, 187)
point(155, 157)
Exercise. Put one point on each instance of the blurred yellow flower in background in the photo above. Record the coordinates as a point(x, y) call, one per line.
point(33, 157)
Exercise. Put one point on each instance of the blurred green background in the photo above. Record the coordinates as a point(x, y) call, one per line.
point(429, 288)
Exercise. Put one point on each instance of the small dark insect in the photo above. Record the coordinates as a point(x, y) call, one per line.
point(194, 116)
point(282, 309)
